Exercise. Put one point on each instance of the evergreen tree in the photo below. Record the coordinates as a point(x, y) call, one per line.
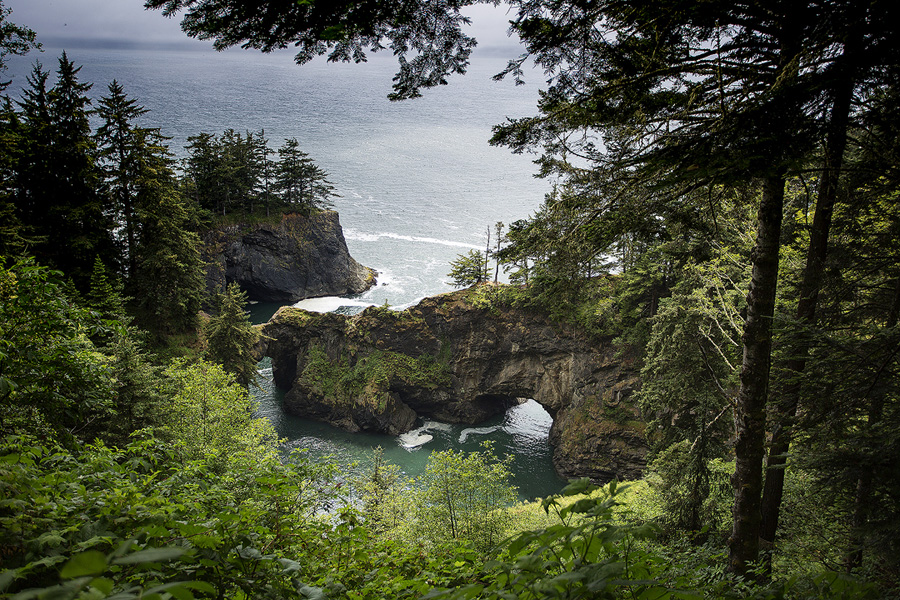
point(468, 269)
point(138, 398)
point(13, 235)
point(14, 39)
point(230, 337)
point(124, 149)
point(58, 187)
point(168, 284)
point(105, 293)
point(203, 169)
point(299, 181)
point(31, 131)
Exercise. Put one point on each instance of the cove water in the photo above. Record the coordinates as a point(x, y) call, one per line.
point(418, 185)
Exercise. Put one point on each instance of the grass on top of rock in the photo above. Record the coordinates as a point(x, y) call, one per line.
point(297, 316)
point(370, 377)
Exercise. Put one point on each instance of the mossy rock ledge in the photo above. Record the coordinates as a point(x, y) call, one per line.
point(298, 257)
point(446, 359)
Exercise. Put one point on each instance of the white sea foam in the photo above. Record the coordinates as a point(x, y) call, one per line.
point(360, 236)
point(418, 437)
point(437, 426)
point(408, 304)
point(476, 431)
point(412, 440)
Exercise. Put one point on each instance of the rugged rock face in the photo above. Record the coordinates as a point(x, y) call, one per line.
point(300, 257)
point(450, 360)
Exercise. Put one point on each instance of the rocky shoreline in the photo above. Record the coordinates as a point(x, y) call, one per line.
point(298, 257)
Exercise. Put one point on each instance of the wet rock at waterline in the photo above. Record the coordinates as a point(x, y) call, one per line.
point(299, 257)
point(456, 362)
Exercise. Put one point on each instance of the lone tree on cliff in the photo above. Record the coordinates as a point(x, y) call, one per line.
point(299, 181)
point(468, 269)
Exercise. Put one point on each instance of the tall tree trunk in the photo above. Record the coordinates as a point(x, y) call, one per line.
point(862, 508)
point(811, 283)
point(750, 412)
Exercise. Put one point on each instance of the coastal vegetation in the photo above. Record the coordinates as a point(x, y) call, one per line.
point(726, 212)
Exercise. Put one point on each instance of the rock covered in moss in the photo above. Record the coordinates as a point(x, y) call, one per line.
point(458, 358)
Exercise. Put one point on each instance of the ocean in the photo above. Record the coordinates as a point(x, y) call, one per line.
point(418, 184)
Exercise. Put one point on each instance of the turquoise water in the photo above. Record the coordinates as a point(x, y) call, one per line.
point(520, 433)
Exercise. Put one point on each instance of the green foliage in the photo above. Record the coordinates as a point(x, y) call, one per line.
point(53, 379)
point(497, 297)
point(230, 337)
point(210, 417)
point(134, 522)
point(469, 269)
point(461, 497)
point(386, 497)
point(14, 39)
point(695, 492)
point(168, 283)
point(105, 295)
point(137, 391)
point(299, 181)
point(584, 555)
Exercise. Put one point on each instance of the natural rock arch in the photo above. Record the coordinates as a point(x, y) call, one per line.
point(453, 361)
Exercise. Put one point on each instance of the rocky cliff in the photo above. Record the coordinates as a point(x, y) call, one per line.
point(461, 358)
point(296, 258)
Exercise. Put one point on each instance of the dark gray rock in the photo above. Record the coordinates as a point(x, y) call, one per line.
point(299, 257)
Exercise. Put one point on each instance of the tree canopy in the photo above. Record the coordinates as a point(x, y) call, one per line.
point(426, 36)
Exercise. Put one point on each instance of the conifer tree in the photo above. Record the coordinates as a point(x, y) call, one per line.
point(105, 293)
point(203, 171)
point(230, 337)
point(124, 150)
point(299, 181)
point(14, 39)
point(468, 269)
point(168, 284)
point(58, 187)
point(13, 235)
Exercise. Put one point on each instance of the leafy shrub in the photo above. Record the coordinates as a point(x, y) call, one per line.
point(113, 515)
point(211, 417)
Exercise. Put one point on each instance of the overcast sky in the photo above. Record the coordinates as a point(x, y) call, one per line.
point(124, 23)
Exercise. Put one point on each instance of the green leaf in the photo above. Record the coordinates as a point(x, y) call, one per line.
point(150, 555)
point(580, 486)
point(313, 593)
point(48, 561)
point(181, 589)
point(7, 577)
point(103, 585)
point(87, 563)
point(289, 566)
